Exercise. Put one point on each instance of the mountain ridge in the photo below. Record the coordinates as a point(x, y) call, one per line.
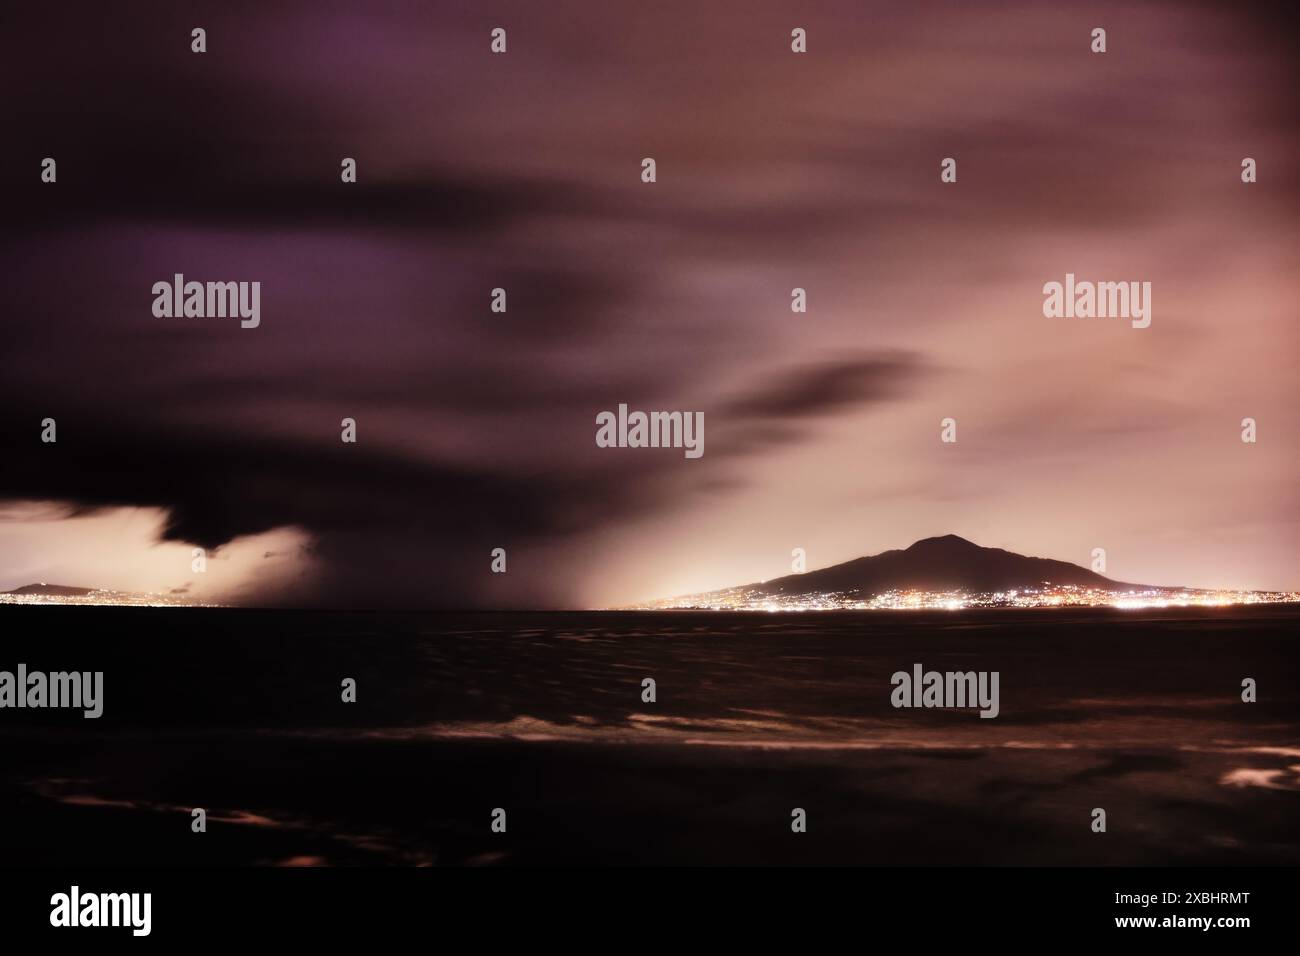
point(945, 563)
point(52, 590)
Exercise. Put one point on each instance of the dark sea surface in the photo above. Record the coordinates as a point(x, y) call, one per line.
point(240, 712)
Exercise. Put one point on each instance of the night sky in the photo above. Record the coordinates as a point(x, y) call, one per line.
point(522, 171)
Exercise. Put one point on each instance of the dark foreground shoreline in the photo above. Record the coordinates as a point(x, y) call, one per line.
point(239, 712)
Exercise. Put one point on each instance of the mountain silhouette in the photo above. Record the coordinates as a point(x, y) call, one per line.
point(948, 563)
point(50, 590)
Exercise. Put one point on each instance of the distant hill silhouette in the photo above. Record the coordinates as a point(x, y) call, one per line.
point(50, 590)
point(949, 563)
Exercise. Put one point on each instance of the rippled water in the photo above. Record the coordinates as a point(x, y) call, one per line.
point(541, 714)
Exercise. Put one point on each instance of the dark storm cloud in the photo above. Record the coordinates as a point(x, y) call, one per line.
point(378, 516)
point(819, 389)
point(392, 510)
point(449, 202)
point(522, 172)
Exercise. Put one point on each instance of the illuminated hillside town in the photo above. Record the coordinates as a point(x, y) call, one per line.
point(754, 598)
point(99, 597)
